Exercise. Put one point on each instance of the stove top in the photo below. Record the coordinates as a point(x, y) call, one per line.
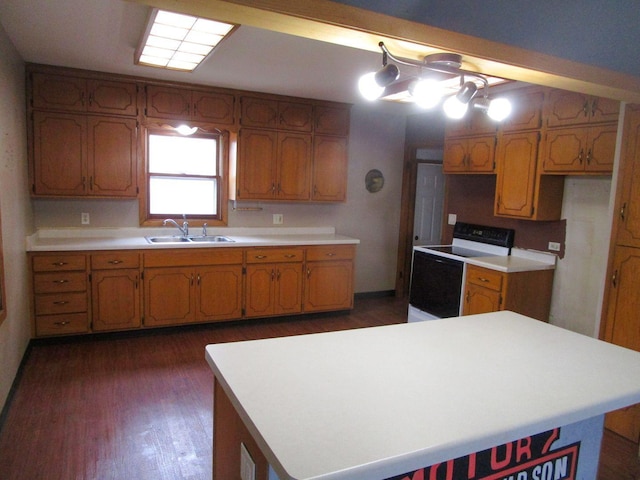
point(460, 251)
point(471, 240)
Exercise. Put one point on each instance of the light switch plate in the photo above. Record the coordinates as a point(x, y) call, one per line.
point(247, 465)
point(453, 218)
point(278, 219)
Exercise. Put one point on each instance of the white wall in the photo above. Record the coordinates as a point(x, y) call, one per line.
point(16, 213)
point(376, 141)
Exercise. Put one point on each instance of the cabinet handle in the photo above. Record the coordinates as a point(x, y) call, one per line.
point(308, 273)
point(198, 279)
point(290, 255)
point(331, 254)
point(61, 302)
point(63, 323)
point(260, 257)
point(59, 264)
point(622, 210)
point(589, 157)
point(114, 262)
point(468, 297)
point(273, 187)
point(273, 275)
point(192, 279)
point(482, 279)
point(278, 275)
point(580, 156)
point(585, 108)
point(82, 98)
point(60, 281)
point(614, 279)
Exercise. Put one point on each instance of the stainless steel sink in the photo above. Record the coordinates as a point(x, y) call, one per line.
point(196, 239)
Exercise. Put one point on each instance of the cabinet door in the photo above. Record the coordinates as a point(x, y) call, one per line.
point(166, 102)
point(293, 166)
point(567, 108)
point(330, 120)
point(170, 296)
point(601, 148)
point(295, 116)
point(59, 154)
point(116, 299)
point(515, 182)
point(260, 290)
point(328, 286)
point(629, 178)
point(58, 92)
point(219, 292)
point(259, 112)
point(526, 111)
point(112, 156)
point(288, 294)
point(480, 300)
point(455, 155)
point(118, 98)
point(257, 164)
point(565, 150)
point(604, 110)
point(329, 178)
point(481, 154)
point(214, 107)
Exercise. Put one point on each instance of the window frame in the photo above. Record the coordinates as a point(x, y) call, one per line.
point(168, 128)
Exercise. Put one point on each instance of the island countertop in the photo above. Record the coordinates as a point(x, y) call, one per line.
point(78, 239)
point(376, 402)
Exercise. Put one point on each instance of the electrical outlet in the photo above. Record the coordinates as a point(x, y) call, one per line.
point(84, 218)
point(247, 465)
point(554, 246)
point(278, 219)
point(453, 218)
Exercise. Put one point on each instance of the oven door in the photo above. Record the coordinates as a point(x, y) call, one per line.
point(436, 284)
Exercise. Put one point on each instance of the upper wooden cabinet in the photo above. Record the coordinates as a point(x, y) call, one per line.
point(469, 154)
point(76, 94)
point(282, 115)
point(331, 120)
point(580, 150)
point(526, 114)
point(628, 232)
point(570, 108)
point(82, 155)
point(329, 173)
point(475, 122)
point(190, 104)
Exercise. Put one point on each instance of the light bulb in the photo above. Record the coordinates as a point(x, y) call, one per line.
point(186, 129)
point(454, 108)
point(499, 109)
point(368, 86)
point(426, 93)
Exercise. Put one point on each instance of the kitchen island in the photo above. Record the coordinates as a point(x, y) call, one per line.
point(496, 395)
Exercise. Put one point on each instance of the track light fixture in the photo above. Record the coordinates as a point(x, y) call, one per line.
point(426, 90)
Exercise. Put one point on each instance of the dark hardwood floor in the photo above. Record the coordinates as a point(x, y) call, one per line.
point(139, 406)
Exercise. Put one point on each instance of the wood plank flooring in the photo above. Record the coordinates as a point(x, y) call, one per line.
point(140, 406)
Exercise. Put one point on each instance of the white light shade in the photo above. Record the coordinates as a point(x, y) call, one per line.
point(499, 109)
point(454, 108)
point(426, 93)
point(368, 86)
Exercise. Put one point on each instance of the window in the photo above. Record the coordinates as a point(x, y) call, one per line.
point(184, 176)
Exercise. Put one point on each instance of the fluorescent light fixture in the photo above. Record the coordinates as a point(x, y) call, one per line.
point(179, 42)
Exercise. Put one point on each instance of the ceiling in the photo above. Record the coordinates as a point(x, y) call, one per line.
point(102, 35)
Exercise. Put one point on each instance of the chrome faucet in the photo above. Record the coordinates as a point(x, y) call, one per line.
point(184, 229)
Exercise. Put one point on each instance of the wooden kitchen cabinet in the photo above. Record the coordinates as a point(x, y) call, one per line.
point(60, 287)
point(273, 284)
point(190, 286)
point(115, 291)
point(273, 165)
point(521, 192)
point(475, 123)
point(209, 105)
point(580, 150)
point(330, 165)
point(628, 202)
point(331, 120)
point(564, 108)
point(469, 154)
point(527, 107)
point(265, 112)
point(79, 155)
point(528, 293)
point(77, 94)
point(329, 278)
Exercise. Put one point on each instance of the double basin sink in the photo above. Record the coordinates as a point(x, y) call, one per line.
point(189, 239)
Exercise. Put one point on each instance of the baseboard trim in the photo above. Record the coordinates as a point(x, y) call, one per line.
point(377, 294)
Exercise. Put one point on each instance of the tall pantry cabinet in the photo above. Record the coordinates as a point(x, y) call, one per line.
point(621, 321)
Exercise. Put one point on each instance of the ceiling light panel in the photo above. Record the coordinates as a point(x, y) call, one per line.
point(179, 42)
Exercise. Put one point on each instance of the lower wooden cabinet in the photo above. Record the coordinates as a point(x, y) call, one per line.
point(528, 293)
point(119, 290)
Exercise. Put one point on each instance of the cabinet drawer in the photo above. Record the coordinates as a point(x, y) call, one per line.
point(270, 255)
point(105, 261)
point(193, 257)
point(48, 304)
point(331, 252)
point(484, 277)
point(62, 324)
point(56, 263)
point(59, 282)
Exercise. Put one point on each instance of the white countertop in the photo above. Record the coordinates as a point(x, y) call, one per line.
point(77, 239)
point(520, 260)
point(376, 402)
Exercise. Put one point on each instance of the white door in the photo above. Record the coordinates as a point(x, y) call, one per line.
point(427, 220)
